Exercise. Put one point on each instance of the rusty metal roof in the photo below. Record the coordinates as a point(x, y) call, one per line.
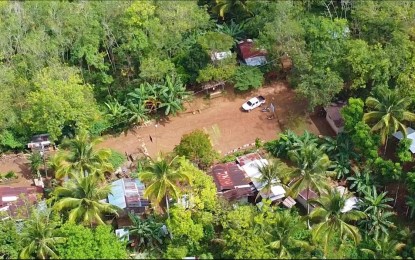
point(238, 193)
point(247, 50)
point(247, 158)
point(11, 197)
point(228, 176)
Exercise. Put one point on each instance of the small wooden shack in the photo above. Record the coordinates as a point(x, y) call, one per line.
point(214, 88)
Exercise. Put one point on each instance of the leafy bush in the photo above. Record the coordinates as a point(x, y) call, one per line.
point(403, 152)
point(224, 71)
point(98, 127)
point(232, 157)
point(389, 170)
point(9, 141)
point(215, 41)
point(116, 159)
point(410, 181)
point(289, 141)
point(235, 30)
point(247, 77)
point(197, 147)
point(10, 175)
point(35, 160)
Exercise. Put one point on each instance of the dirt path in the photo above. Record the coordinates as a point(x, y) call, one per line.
point(222, 118)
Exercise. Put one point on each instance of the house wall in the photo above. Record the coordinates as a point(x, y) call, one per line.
point(303, 202)
point(333, 125)
point(255, 61)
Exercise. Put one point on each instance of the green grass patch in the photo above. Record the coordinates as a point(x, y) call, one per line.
point(232, 157)
point(295, 122)
point(116, 159)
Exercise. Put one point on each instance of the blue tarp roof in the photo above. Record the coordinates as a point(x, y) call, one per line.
point(117, 196)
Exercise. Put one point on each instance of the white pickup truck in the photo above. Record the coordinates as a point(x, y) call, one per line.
point(253, 103)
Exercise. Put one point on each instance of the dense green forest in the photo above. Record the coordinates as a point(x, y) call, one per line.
point(79, 69)
point(134, 60)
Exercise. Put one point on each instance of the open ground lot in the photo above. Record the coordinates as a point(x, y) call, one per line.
point(221, 117)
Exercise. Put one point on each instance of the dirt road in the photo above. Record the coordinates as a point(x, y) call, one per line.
point(222, 118)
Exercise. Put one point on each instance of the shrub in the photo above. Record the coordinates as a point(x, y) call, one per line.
point(247, 77)
point(232, 157)
point(116, 159)
point(9, 141)
point(98, 127)
point(403, 152)
point(10, 175)
point(197, 147)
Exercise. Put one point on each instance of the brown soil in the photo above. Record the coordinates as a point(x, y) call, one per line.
point(221, 117)
point(18, 164)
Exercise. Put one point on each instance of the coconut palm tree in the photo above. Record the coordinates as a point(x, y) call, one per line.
point(147, 233)
point(333, 218)
point(384, 248)
point(82, 156)
point(224, 7)
point(284, 228)
point(81, 198)
point(305, 140)
point(39, 235)
point(271, 174)
point(312, 165)
point(162, 177)
point(388, 112)
point(58, 164)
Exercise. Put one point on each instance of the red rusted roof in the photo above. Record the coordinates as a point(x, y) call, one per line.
point(7, 194)
point(229, 176)
point(247, 158)
point(247, 50)
point(238, 193)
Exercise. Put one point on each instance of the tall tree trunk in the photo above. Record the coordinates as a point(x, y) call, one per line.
point(386, 145)
point(167, 207)
point(168, 214)
point(396, 195)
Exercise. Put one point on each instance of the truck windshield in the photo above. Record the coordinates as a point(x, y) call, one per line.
point(249, 103)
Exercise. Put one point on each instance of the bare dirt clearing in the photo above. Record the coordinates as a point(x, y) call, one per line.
point(221, 117)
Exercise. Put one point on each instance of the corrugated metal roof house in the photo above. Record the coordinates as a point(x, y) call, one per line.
point(231, 182)
point(11, 200)
point(239, 180)
point(250, 55)
point(128, 194)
